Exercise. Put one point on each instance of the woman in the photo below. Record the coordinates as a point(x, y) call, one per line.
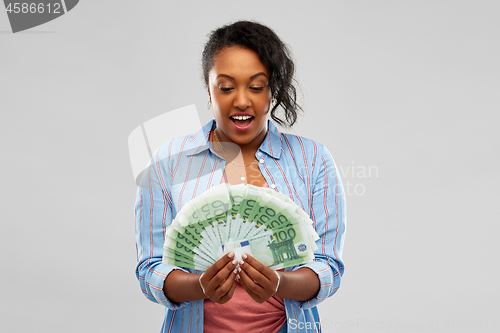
point(249, 75)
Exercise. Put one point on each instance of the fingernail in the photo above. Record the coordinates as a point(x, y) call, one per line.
point(230, 255)
point(235, 262)
point(237, 277)
point(235, 271)
point(241, 262)
point(244, 256)
point(239, 269)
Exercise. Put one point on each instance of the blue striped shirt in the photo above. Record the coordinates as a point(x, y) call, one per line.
point(185, 167)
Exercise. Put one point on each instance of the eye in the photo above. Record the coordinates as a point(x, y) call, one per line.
point(256, 88)
point(225, 89)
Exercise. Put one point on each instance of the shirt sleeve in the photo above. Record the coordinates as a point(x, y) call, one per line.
point(153, 214)
point(328, 214)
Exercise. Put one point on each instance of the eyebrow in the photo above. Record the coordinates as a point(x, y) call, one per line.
point(251, 77)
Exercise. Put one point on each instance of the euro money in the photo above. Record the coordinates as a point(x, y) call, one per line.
point(245, 219)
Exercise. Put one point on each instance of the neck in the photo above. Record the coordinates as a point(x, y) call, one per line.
point(234, 148)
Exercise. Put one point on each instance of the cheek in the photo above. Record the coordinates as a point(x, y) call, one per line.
point(220, 106)
point(220, 99)
point(263, 104)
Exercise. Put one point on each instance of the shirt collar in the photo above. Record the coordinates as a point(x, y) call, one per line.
point(272, 142)
point(199, 142)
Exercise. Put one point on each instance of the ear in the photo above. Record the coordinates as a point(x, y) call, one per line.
point(209, 103)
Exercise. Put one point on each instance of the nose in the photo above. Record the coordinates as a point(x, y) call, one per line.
point(241, 100)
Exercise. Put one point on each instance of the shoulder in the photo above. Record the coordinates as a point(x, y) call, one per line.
point(305, 147)
point(309, 156)
point(183, 145)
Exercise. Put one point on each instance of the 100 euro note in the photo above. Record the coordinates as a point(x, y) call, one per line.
point(285, 210)
point(184, 257)
point(275, 214)
point(239, 213)
point(260, 211)
point(195, 243)
point(191, 237)
point(182, 244)
point(213, 204)
point(182, 251)
point(284, 247)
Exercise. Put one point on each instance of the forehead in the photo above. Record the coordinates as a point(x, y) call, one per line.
point(237, 62)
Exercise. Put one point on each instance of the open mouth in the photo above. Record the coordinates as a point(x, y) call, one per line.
point(241, 121)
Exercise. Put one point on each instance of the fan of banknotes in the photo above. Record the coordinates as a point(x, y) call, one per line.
point(242, 219)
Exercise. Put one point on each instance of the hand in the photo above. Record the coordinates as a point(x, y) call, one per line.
point(219, 281)
point(258, 280)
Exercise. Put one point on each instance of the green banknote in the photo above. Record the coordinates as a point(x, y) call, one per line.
point(237, 194)
point(189, 212)
point(284, 247)
point(274, 213)
point(243, 219)
point(290, 246)
point(177, 261)
point(186, 248)
point(182, 256)
point(195, 262)
point(213, 204)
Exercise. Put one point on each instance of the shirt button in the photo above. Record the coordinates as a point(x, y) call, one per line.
point(259, 154)
point(273, 186)
point(261, 160)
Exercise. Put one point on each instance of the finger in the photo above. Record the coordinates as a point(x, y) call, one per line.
point(225, 287)
point(263, 269)
point(232, 288)
point(215, 268)
point(252, 289)
point(208, 275)
point(251, 283)
point(222, 275)
point(255, 274)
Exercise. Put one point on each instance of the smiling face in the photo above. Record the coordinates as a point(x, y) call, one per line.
point(240, 95)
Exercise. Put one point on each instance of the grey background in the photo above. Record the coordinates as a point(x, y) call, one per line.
point(409, 88)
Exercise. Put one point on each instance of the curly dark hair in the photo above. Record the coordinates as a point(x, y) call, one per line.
point(273, 54)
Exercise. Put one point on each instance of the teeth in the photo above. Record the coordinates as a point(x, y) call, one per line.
point(241, 117)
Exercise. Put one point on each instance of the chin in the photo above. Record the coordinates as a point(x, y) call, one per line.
point(242, 139)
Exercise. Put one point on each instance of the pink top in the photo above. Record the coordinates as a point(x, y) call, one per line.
point(243, 314)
